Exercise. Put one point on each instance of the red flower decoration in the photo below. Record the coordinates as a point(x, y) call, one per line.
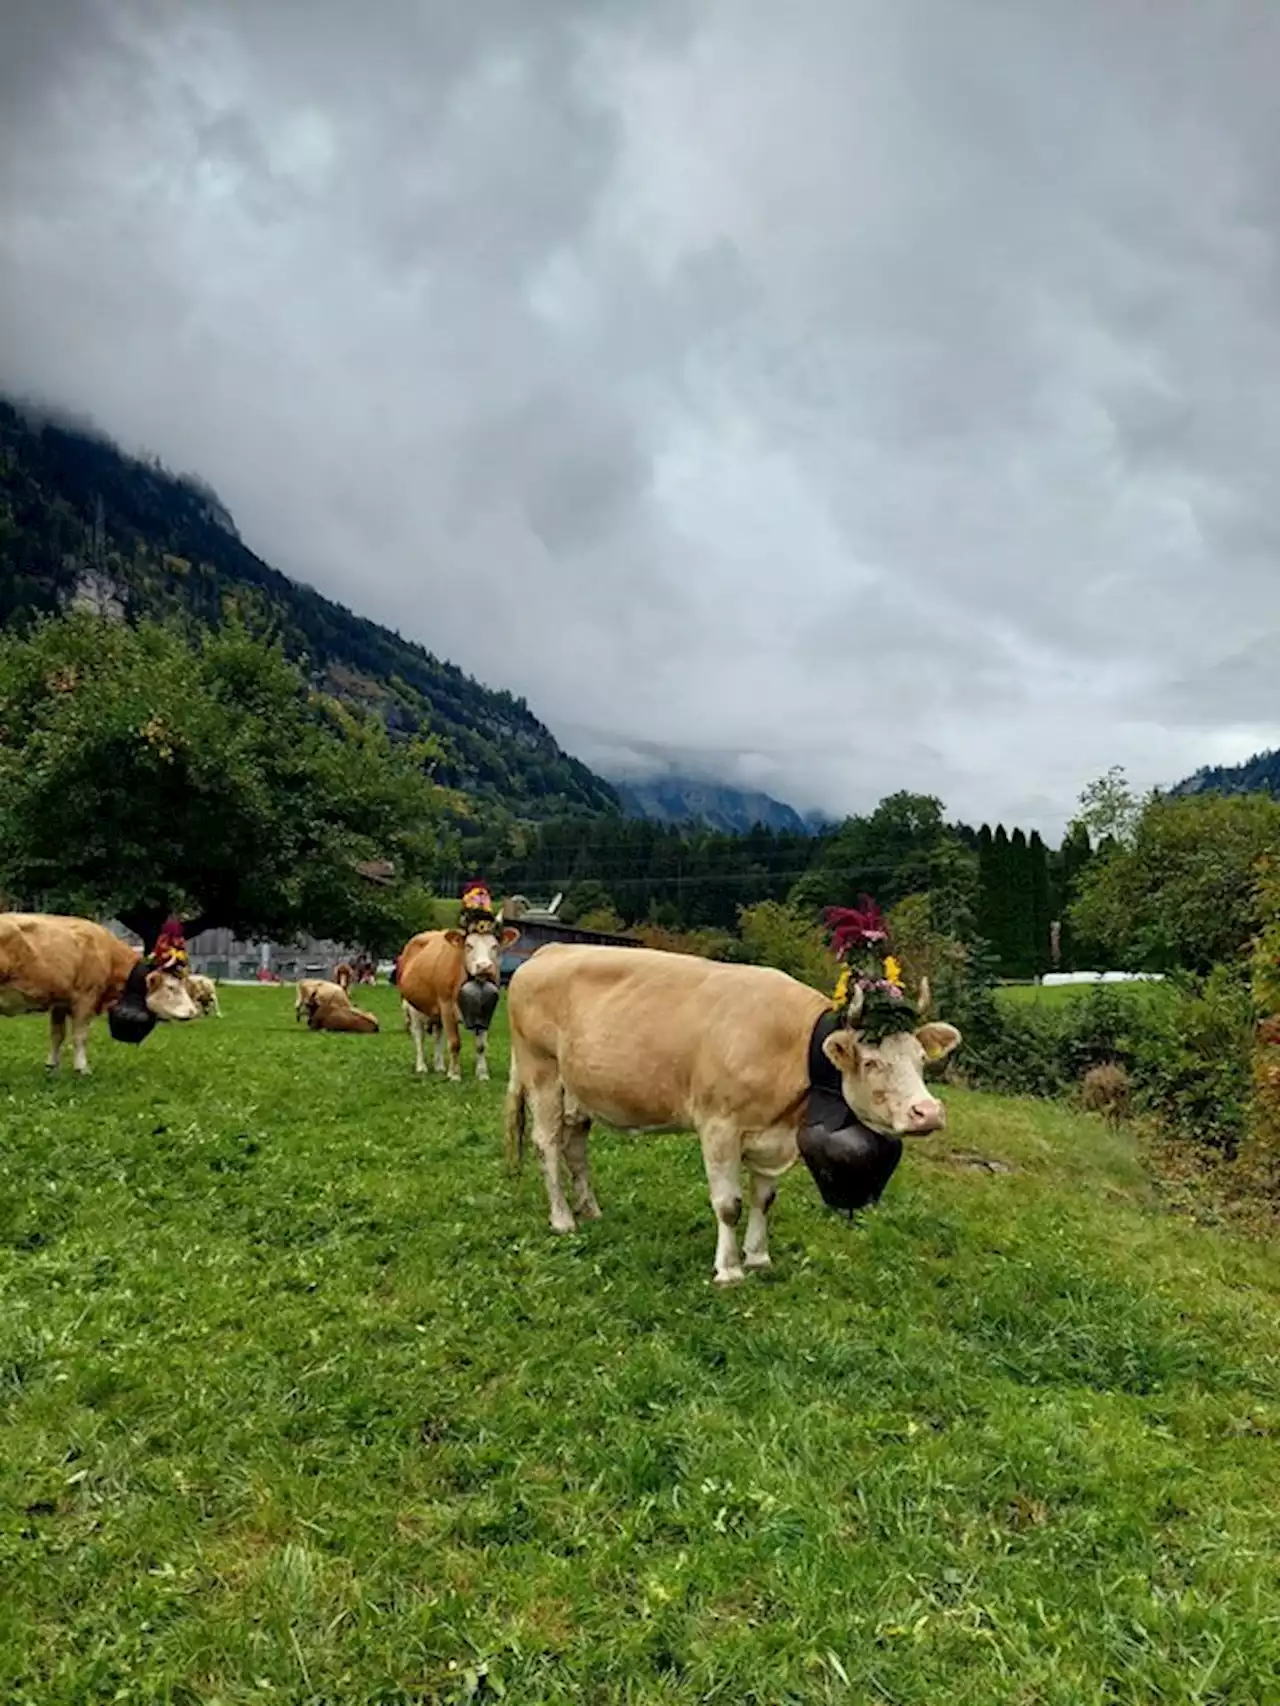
point(860, 927)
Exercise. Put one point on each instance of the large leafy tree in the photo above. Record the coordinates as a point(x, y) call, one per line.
point(887, 854)
point(1183, 893)
point(142, 772)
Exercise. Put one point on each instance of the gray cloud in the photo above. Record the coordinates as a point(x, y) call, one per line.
point(877, 397)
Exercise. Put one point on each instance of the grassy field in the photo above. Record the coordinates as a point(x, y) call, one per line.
point(303, 1403)
point(1058, 994)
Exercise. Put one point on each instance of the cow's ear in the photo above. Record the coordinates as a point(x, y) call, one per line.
point(510, 936)
point(937, 1040)
point(841, 1049)
point(154, 980)
point(455, 936)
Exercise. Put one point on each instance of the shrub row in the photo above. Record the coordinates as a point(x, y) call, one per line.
point(1185, 1047)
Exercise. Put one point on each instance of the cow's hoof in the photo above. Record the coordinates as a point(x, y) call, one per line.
point(589, 1211)
point(764, 1260)
point(568, 1224)
point(730, 1276)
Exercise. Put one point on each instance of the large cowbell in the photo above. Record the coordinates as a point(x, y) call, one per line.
point(131, 1020)
point(850, 1163)
point(477, 1003)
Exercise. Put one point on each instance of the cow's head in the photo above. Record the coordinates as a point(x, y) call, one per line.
point(150, 995)
point(169, 997)
point(482, 944)
point(883, 1081)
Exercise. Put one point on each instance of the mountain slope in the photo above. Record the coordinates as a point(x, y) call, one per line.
point(683, 799)
point(1257, 775)
point(81, 522)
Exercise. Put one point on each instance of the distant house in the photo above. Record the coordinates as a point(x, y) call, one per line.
point(540, 925)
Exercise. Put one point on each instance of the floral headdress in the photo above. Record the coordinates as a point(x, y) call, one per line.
point(170, 951)
point(870, 996)
point(477, 907)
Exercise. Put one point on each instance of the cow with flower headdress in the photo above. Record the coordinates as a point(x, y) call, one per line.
point(448, 979)
point(764, 1069)
point(74, 969)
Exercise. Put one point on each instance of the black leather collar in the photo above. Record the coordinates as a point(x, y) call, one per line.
point(850, 1163)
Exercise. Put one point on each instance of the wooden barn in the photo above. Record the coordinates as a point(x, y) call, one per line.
point(538, 928)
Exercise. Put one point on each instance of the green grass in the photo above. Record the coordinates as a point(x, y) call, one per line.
point(1060, 994)
point(302, 1402)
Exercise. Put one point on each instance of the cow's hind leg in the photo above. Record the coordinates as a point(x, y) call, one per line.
point(576, 1129)
point(722, 1155)
point(755, 1249)
point(546, 1103)
point(57, 1036)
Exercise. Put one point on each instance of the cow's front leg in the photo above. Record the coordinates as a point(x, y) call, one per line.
point(57, 1036)
point(417, 1025)
point(454, 1041)
point(482, 1057)
point(80, 1023)
point(721, 1154)
point(755, 1249)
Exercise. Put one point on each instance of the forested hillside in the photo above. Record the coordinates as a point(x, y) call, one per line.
point(713, 805)
point(1257, 775)
point(82, 523)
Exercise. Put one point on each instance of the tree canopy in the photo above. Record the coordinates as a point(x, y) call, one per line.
point(1184, 892)
point(143, 772)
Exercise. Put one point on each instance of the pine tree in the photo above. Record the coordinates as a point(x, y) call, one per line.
point(1040, 903)
point(1022, 927)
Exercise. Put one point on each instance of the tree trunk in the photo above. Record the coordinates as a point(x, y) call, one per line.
point(148, 922)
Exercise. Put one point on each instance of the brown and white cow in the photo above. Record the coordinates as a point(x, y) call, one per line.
point(305, 990)
point(648, 1041)
point(430, 973)
point(72, 968)
point(330, 1008)
point(204, 992)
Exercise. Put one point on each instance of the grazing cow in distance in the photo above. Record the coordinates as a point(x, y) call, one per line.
point(72, 968)
point(204, 992)
point(342, 975)
point(649, 1041)
point(330, 1008)
point(447, 978)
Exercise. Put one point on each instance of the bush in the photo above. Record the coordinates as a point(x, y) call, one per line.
point(774, 934)
point(1192, 1059)
point(1184, 1052)
point(1106, 1089)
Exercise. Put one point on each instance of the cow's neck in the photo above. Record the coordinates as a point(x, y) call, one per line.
point(825, 1106)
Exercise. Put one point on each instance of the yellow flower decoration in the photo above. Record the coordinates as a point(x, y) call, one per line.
point(893, 972)
point(842, 990)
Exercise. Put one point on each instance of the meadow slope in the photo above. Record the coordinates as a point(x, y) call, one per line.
point(301, 1402)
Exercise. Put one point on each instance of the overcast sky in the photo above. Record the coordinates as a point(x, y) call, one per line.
point(831, 398)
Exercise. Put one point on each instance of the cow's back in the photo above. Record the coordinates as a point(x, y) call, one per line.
point(647, 1039)
point(431, 971)
point(55, 960)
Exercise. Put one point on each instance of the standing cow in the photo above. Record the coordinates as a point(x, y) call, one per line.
point(649, 1041)
point(72, 968)
point(431, 973)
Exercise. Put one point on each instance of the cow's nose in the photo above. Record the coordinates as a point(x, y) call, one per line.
point(925, 1116)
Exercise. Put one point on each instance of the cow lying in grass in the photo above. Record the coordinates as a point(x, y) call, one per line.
point(329, 1008)
point(72, 968)
point(204, 992)
point(649, 1041)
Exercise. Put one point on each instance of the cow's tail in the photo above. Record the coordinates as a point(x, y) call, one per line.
point(515, 1117)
